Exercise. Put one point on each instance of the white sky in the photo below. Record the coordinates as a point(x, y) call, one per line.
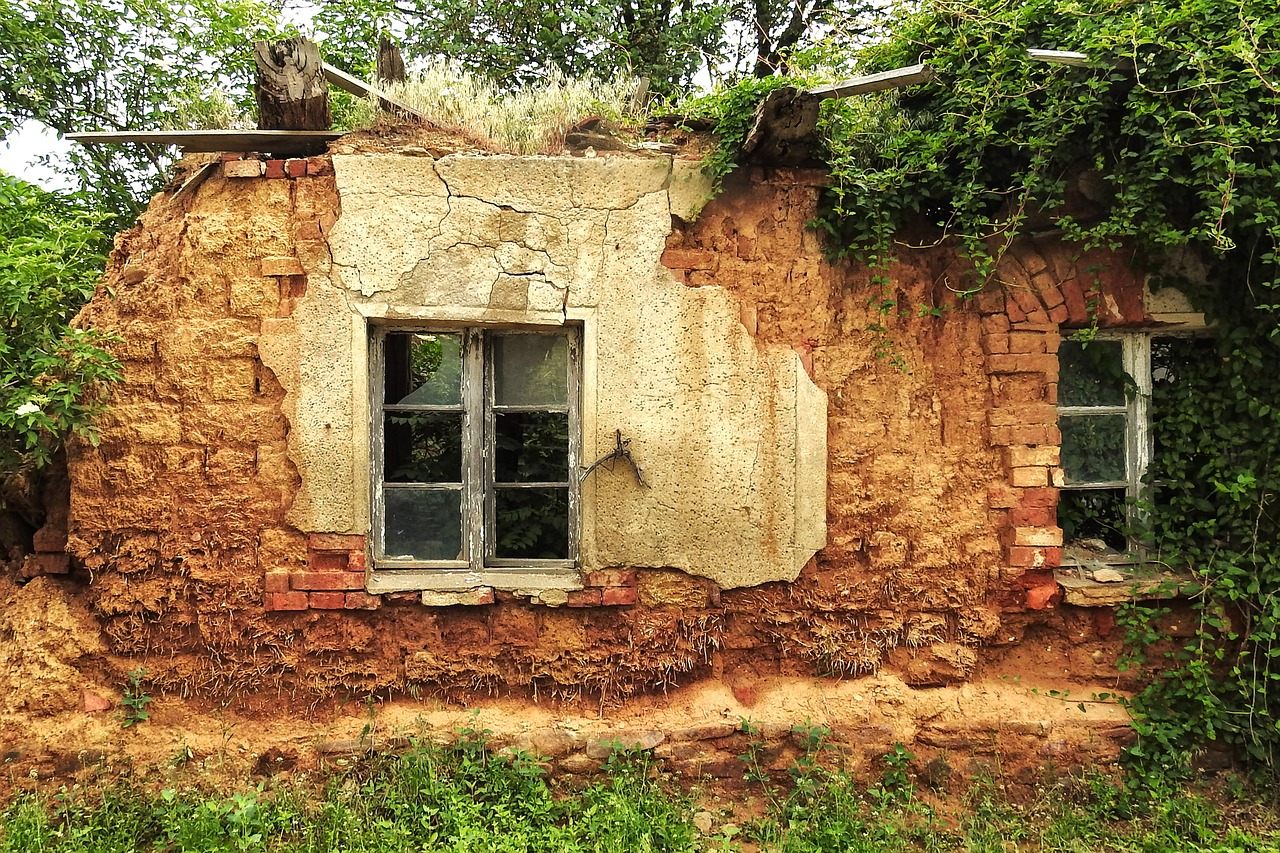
point(20, 149)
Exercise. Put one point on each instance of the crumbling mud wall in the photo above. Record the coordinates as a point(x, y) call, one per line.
point(193, 531)
point(943, 439)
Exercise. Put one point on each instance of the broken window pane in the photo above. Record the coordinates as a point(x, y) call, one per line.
point(531, 370)
point(531, 447)
point(423, 447)
point(1093, 448)
point(1092, 374)
point(424, 524)
point(1094, 522)
point(424, 369)
point(532, 523)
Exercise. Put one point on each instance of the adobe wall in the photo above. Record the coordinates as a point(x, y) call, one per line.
point(939, 511)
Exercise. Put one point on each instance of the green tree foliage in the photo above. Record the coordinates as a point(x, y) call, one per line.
point(518, 41)
point(80, 65)
point(51, 375)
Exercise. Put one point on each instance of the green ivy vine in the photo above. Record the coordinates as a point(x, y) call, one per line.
point(1166, 140)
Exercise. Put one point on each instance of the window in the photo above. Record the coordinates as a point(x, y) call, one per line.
point(476, 442)
point(1105, 412)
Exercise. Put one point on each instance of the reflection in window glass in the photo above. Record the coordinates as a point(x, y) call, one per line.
point(1093, 448)
point(423, 447)
point(532, 523)
point(531, 370)
point(1092, 373)
point(531, 447)
point(424, 369)
point(423, 524)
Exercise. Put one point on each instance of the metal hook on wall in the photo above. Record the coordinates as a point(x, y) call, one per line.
point(621, 450)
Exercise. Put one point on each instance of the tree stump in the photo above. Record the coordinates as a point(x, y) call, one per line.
point(291, 90)
point(390, 63)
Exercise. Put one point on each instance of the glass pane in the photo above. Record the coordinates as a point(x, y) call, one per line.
point(532, 447)
point(425, 524)
point(531, 370)
point(1093, 448)
point(1093, 522)
point(424, 369)
point(1092, 374)
point(532, 523)
point(423, 447)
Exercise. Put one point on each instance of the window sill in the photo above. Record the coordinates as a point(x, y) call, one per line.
point(1138, 584)
point(530, 581)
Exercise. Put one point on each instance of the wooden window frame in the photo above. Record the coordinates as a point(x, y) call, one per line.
point(479, 487)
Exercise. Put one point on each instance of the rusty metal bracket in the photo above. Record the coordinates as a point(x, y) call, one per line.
point(621, 450)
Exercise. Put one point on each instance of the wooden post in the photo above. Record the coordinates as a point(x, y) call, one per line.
point(390, 63)
point(291, 90)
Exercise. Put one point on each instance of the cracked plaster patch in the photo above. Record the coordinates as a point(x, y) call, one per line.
point(716, 420)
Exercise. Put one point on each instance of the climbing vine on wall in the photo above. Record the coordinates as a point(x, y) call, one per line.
point(1166, 140)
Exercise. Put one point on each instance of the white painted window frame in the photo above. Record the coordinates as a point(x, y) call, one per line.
point(480, 567)
point(1136, 359)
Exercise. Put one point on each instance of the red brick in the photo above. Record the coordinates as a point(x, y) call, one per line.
point(1028, 302)
point(361, 601)
point(1033, 516)
point(276, 582)
point(1026, 414)
point(1036, 477)
point(228, 156)
point(403, 597)
point(1035, 558)
point(584, 598)
point(327, 600)
point(1003, 497)
point(1012, 311)
point(1020, 341)
point(327, 580)
point(295, 168)
point(995, 344)
point(1076, 303)
point(1024, 363)
point(1006, 435)
point(610, 577)
point(319, 166)
point(275, 169)
point(357, 562)
point(286, 601)
point(616, 595)
point(1042, 597)
point(335, 542)
point(1038, 536)
point(328, 561)
point(1019, 456)
point(1040, 497)
point(294, 286)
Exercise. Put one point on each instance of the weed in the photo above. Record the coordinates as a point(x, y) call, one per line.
point(134, 702)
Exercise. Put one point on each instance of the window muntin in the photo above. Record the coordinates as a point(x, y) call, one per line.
point(475, 443)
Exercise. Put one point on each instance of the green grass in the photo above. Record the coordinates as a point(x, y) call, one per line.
point(464, 798)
